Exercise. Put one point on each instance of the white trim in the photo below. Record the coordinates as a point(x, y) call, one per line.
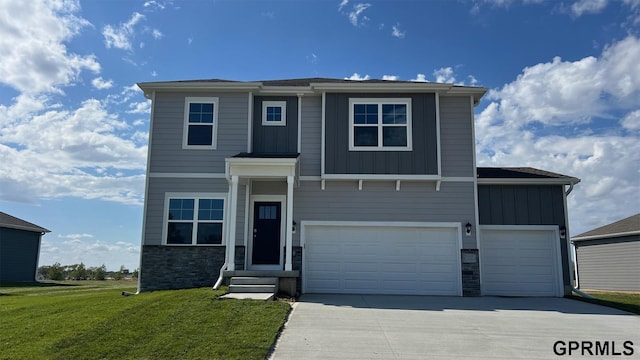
point(392, 178)
point(247, 197)
point(309, 178)
point(261, 167)
point(186, 175)
point(233, 212)
point(322, 136)
point(282, 199)
point(379, 177)
point(398, 224)
point(438, 147)
point(250, 123)
point(300, 123)
point(475, 178)
point(380, 124)
point(556, 248)
point(289, 225)
point(214, 127)
point(604, 236)
point(195, 196)
point(458, 179)
point(146, 187)
point(283, 113)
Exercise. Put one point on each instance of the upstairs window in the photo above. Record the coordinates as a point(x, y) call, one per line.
point(380, 125)
point(200, 123)
point(274, 113)
point(194, 221)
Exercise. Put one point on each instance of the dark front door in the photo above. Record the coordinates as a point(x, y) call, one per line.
point(266, 233)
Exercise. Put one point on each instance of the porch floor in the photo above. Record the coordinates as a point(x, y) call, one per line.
point(262, 273)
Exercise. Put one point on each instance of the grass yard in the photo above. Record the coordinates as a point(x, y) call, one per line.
point(623, 301)
point(92, 320)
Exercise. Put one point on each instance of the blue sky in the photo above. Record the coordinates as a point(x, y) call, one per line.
point(564, 80)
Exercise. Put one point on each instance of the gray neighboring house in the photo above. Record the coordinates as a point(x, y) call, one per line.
point(340, 186)
point(19, 249)
point(608, 258)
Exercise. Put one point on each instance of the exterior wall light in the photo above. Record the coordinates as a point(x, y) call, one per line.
point(468, 228)
point(563, 232)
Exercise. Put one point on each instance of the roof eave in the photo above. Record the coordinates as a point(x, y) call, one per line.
point(150, 87)
point(605, 236)
point(26, 228)
point(528, 181)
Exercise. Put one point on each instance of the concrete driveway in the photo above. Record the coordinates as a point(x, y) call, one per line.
point(423, 327)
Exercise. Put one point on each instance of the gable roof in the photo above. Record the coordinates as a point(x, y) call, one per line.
point(624, 227)
point(528, 175)
point(313, 85)
point(13, 222)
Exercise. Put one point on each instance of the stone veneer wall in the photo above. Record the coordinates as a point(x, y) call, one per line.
point(179, 267)
point(470, 272)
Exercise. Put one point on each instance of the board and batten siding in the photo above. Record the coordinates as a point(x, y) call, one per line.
point(379, 201)
point(525, 205)
point(158, 187)
point(422, 160)
point(456, 136)
point(271, 139)
point(18, 254)
point(311, 137)
point(167, 154)
point(609, 264)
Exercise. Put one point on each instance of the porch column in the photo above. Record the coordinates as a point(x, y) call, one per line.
point(233, 211)
point(289, 224)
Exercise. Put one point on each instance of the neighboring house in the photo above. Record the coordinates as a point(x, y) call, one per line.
point(19, 249)
point(608, 258)
point(344, 186)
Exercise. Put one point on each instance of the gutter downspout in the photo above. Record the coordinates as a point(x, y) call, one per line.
point(583, 294)
point(224, 266)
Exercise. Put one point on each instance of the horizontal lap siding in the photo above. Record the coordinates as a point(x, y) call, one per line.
point(379, 201)
point(456, 137)
point(609, 265)
point(167, 154)
point(311, 129)
point(158, 187)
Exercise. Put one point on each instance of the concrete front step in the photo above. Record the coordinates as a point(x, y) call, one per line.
point(253, 280)
point(253, 288)
point(254, 296)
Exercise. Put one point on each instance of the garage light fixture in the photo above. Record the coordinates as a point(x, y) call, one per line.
point(563, 232)
point(468, 228)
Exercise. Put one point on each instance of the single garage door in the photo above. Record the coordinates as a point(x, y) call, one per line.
point(374, 259)
point(520, 261)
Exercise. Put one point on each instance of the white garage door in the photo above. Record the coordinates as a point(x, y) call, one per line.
point(520, 261)
point(370, 259)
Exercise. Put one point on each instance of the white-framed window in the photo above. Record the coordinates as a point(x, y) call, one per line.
point(274, 113)
point(380, 124)
point(200, 123)
point(194, 219)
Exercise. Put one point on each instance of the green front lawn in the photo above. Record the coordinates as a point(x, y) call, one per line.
point(623, 301)
point(92, 320)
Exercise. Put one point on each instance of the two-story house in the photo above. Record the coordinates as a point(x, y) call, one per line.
point(339, 186)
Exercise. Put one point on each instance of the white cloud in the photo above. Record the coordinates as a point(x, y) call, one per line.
point(101, 84)
point(396, 32)
point(420, 78)
point(143, 107)
point(74, 236)
point(33, 54)
point(152, 4)
point(581, 7)
point(355, 15)
point(157, 34)
point(444, 75)
point(343, 3)
point(390, 77)
point(58, 153)
point(357, 76)
point(631, 121)
point(120, 36)
point(522, 124)
point(472, 80)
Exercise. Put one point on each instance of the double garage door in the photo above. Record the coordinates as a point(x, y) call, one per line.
point(408, 259)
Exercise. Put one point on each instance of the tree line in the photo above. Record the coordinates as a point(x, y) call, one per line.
point(81, 272)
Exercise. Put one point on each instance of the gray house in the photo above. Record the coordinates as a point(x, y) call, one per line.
point(339, 186)
point(607, 258)
point(19, 249)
